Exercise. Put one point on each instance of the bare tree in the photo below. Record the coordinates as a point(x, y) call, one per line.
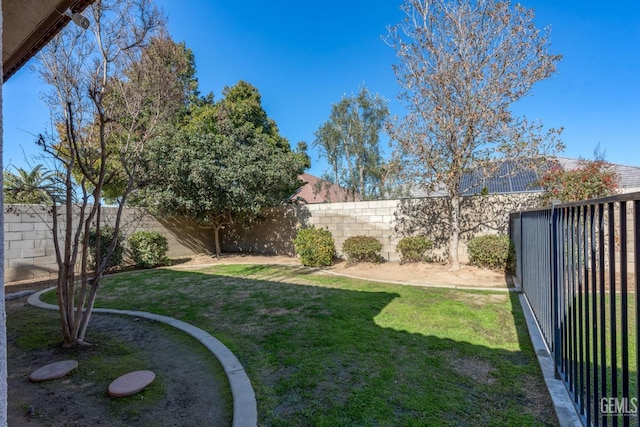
point(462, 64)
point(103, 125)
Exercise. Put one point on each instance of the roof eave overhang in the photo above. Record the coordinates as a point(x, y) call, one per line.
point(41, 35)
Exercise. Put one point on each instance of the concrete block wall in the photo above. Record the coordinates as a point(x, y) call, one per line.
point(344, 220)
point(275, 233)
point(184, 237)
point(30, 250)
point(386, 220)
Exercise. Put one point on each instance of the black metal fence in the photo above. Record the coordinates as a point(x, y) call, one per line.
point(577, 266)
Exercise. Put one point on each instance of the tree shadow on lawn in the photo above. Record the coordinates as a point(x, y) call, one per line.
point(344, 352)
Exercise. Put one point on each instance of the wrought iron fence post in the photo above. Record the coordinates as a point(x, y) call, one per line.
point(555, 289)
point(519, 256)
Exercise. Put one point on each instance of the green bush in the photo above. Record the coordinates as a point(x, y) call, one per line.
point(494, 251)
point(315, 247)
point(107, 234)
point(413, 249)
point(149, 248)
point(362, 249)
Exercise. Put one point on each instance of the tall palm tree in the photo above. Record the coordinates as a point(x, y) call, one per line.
point(36, 187)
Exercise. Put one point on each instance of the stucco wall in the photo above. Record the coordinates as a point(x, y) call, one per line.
point(3, 316)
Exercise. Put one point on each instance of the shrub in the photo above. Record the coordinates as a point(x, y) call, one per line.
point(149, 248)
point(494, 251)
point(362, 248)
point(107, 234)
point(591, 179)
point(315, 247)
point(413, 249)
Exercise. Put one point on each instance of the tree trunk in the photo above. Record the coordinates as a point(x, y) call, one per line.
point(216, 239)
point(361, 184)
point(88, 310)
point(454, 238)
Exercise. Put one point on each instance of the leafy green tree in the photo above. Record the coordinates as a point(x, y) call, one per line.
point(36, 187)
point(462, 64)
point(225, 164)
point(350, 141)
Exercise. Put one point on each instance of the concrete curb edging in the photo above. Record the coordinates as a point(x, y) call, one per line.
point(245, 408)
point(565, 409)
point(17, 295)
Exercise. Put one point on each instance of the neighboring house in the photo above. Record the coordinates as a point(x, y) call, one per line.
point(510, 179)
point(628, 176)
point(317, 190)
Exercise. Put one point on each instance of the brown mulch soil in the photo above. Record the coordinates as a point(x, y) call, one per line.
point(191, 393)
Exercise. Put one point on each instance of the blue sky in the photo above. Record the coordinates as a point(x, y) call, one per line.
point(304, 56)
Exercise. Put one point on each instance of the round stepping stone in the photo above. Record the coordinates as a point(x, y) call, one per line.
point(53, 371)
point(130, 383)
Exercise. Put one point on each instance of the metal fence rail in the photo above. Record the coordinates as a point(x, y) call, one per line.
point(577, 265)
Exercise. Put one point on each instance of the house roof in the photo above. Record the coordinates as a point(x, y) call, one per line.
point(317, 190)
point(510, 178)
point(628, 176)
point(28, 25)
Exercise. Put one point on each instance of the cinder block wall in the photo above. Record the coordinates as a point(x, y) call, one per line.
point(375, 219)
point(30, 249)
point(28, 242)
point(386, 220)
point(275, 233)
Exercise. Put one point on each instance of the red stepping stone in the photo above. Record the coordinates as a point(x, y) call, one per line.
point(53, 371)
point(130, 383)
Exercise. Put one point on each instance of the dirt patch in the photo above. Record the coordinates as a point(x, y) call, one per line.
point(425, 274)
point(203, 259)
point(190, 392)
point(475, 368)
point(418, 274)
point(537, 399)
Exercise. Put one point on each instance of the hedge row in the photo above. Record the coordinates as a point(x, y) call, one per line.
point(316, 248)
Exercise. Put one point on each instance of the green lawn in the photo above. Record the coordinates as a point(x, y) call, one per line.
point(582, 348)
point(329, 351)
